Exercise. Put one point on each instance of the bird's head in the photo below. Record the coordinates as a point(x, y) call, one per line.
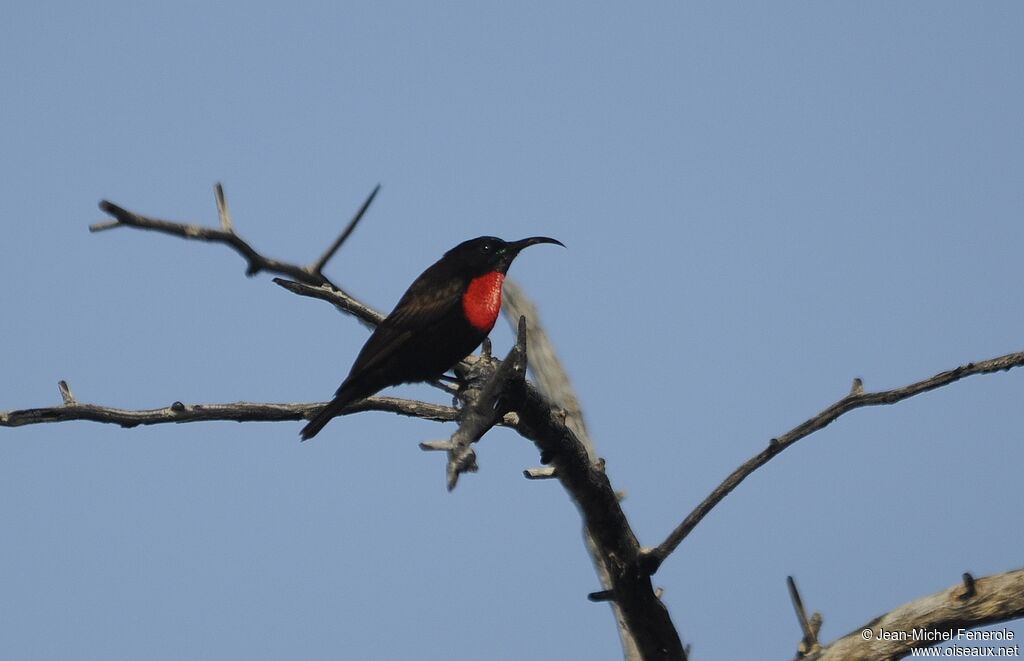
point(486, 254)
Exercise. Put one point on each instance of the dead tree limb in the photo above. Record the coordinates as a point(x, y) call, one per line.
point(226, 234)
point(179, 412)
point(856, 399)
point(642, 611)
point(946, 616)
point(336, 297)
point(556, 386)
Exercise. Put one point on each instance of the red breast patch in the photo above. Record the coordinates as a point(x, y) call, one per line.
point(482, 301)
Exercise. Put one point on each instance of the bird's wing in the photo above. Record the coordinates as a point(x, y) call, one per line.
point(419, 311)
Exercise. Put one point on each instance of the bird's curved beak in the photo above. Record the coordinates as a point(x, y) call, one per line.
point(515, 246)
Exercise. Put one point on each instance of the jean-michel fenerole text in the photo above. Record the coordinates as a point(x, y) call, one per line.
point(932, 635)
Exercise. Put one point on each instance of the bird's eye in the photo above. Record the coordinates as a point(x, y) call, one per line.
point(487, 248)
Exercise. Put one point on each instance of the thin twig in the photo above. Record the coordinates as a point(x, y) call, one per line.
point(810, 639)
point(65, 393)
point(222, 209)
point(970, 588)
point(336, 297)
point(856, 399)
point(318, 266)
point(798, 606)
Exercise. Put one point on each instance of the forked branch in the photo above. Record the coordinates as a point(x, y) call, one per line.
point(226, 234)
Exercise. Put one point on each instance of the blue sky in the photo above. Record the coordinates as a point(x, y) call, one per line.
point(761, 202)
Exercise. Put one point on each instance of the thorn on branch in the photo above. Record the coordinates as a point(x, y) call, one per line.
point(858, 387)
point(809, 626)
point(521, 341)
point(65, 393)
point(540, 473)
point(601, 595)
point(222, 209)
point(105, 225)
point(551, 377)
point(436, 446)
point(970, 589)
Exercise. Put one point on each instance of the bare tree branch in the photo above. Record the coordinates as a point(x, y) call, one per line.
point(339, 299)
point(933, 620)
point(306, 280)
point(255, 261)
point(857, 398)
point(178, 412)
point(643, 614)
point(644, 619)
point(318, 267)
point(556, 386)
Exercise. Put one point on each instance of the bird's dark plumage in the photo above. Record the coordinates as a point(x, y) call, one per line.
point(444, 315)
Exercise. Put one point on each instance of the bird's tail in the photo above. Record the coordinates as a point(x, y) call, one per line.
point(344, 397)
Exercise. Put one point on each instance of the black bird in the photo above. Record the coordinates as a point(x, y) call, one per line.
point(443, 316)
